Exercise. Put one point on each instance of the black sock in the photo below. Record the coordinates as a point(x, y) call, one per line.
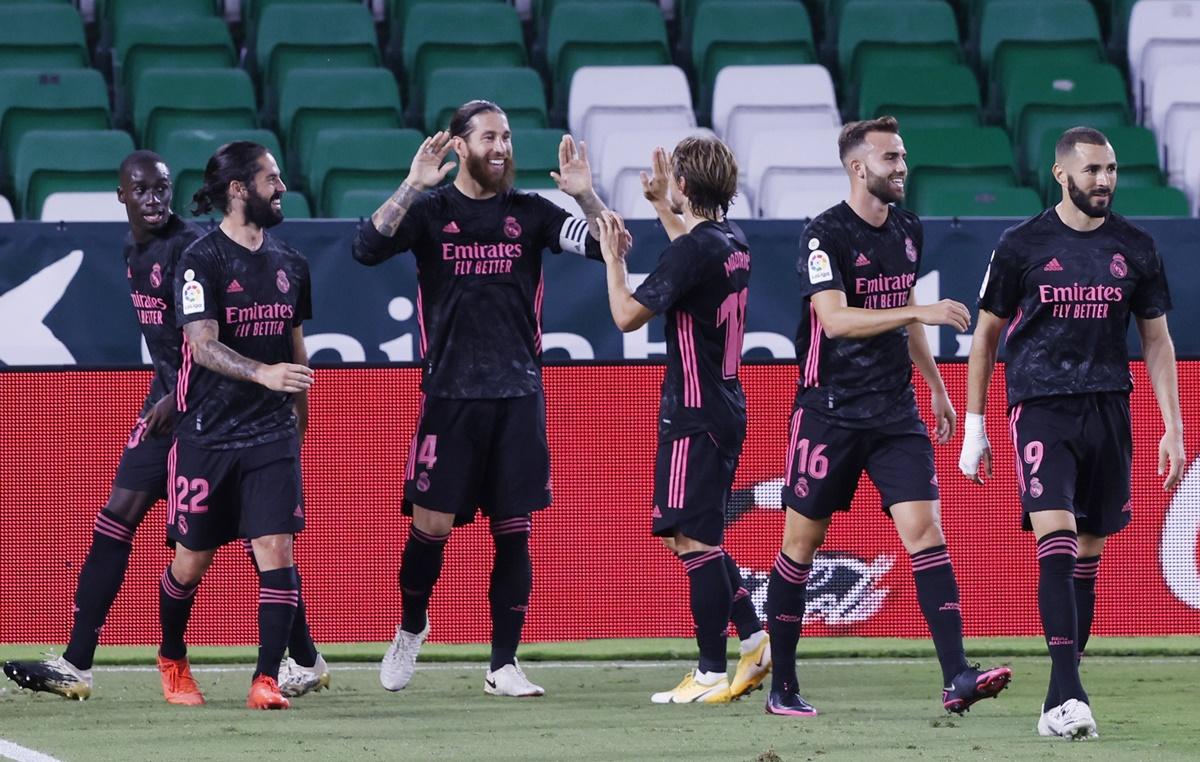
point(785, 615)
point(937, 593)
point(174, 610)
point(420, 567)
point(712, 599)
point(512, 580)
point(1086, 570)
point(742, 614)
point(1056, 601)
point(300, 642)
point(278, 599)
point(100, 578)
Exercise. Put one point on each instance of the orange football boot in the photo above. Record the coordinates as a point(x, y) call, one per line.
point(179, 687)
point(264, 694)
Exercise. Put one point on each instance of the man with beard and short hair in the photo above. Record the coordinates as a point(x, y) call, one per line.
point(241, 296)
point(481, 436)
point(1065, 283)
point(155, 241)
point(859, 336)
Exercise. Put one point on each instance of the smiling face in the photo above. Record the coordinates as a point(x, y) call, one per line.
point(264, 201)
point(882, 158)
point(485, 153)
point(146, 192)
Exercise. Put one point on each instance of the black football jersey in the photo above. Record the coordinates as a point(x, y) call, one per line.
point(1068, 296)
point(479, 286)
point(257, 298)
point(857, 382)
point(150, 268)
point(702, 282)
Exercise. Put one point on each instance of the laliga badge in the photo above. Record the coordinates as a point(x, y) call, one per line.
point(192, 296)
point(819, 270)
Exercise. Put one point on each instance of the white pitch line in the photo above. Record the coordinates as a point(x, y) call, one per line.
point(10, 750)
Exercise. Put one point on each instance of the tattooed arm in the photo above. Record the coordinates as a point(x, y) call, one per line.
point(207, 350)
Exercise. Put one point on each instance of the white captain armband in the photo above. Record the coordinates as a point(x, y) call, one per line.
point(573, 236)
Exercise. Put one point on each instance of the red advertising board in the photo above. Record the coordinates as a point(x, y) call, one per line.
point(598, 573)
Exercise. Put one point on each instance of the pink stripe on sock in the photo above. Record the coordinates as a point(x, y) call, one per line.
point(109, 527)
point(741, 593)
point(929, 562)
point(421, 536)
point(791, 571)
point(175, 591)
point(1058, 546)
point(695, 563)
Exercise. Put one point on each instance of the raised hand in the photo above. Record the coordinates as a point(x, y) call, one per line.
point(654, 186)
point(427, 169)
point(574, 175)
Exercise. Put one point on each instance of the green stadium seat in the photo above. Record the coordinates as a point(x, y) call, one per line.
point(961, 161)
point(348, 159)
point(295, 207)
point(327, 36)
point(1163, 201)
point(362, 202)
point(921, 96)
point(1137, 159)
point(182, 99)
point(53, 161)
point(614, 33)
point(747, 32)
point(202, 43)
point(1025, 33)
point(518, 91)
point(112, 16)
point(397, 19)
point(1045, 99)
point(543, 11)
point(187, 152)
point(1000, 201)
point(883, 33)
point(45, 36)
point(71, 99)
point(315, 99)
point(477, 35)
point(536, 154)
point(252, 12)
point(832, 11)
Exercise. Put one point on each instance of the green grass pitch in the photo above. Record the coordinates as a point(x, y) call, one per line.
point(878, 702)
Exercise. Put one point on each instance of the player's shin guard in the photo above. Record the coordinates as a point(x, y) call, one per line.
point(511, 583)
point(1056, 601)
point(742, 614)
point(174, 610)
point(937, 592)
point(420, 567)
point(785, 614)
point(1086, 569)
point(711, 598)
point(99, 580)
point(278, 599)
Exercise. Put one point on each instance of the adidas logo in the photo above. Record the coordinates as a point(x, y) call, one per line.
point(656, 513)
point(862, 260)
point(451, 227)
point(1053, 266)
point(234, 287)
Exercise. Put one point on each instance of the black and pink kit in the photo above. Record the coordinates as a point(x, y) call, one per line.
point(481, 438)
point(855, 409)
point(701, 283)
point(1068, 297)
point(235, 468)
point(150, 269)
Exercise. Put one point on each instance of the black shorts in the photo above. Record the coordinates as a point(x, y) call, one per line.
point(143, 466)
point(488, 454)
point(692, 481)
point(218, 496)
point(825, 463)
point(1075, 454)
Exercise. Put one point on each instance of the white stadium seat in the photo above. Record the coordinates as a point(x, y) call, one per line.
point(1191, 171)
point(1161, 32)
point(6, 212)
point(558, 197)
point(797, 204)
point(626, 154)
point(793, 160)
point(752, 99)
point(1175, 113)
point(83, 207)
point(608, 98)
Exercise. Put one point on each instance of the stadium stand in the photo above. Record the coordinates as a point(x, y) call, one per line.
point(520, 89)
point(68, 99)
point(63, 161)
point(536, 152)
point(875, 34)
point(202, 43)
point(788, 160)
point(180, 99)
point(83, 206)
point(6, 210)
point(625, 155)
point(952, 165)
point(1163, 201)
point(1191, 172)
point(921, 95)
point(187, 152)
point(1174, 114)
point(346, 160)
point(48, 36)
point(1160, 33)
point(1137, 157)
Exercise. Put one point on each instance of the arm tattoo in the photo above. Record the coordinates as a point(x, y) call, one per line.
point(592, 208)
point(388, 217)
point(212, 354)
